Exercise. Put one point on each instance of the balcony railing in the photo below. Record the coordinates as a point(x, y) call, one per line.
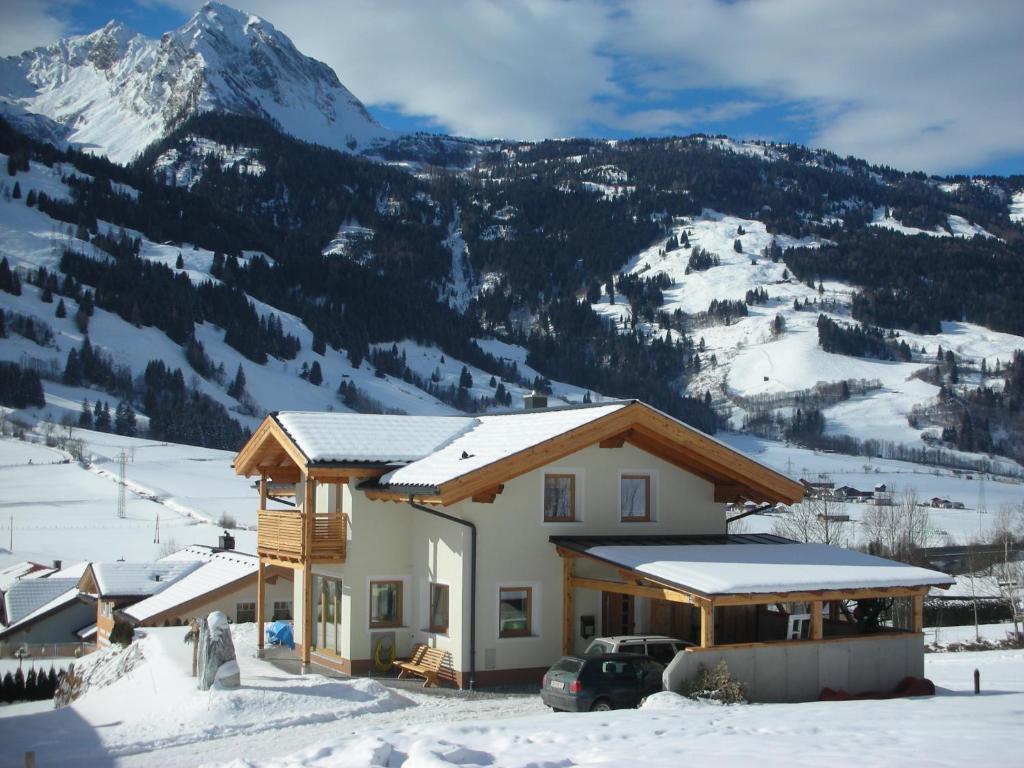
point(280, 535)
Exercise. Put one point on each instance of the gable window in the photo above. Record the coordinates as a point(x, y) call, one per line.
point(514, 608)
point(245, 613)
point(635, 498)
point(438, 608)
point(559, 498)
point(385, 603)
point(282, 610)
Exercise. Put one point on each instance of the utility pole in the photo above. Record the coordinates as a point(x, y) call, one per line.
point(156, 534)
point(122, 501)
point(981, 494)
point(11, 547)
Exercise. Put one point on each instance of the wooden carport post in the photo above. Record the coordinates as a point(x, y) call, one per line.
point(568, 609)
point(918, 612)
point(308, 512)
point(707, 624)
point(817, 629)
point(261, 586)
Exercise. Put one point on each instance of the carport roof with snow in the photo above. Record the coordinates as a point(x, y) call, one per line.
point(749, 565)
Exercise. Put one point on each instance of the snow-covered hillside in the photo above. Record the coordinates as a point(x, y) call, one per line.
point(749, 359)
point(115, 92)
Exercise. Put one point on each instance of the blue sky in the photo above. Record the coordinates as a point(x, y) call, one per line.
point(920, 84)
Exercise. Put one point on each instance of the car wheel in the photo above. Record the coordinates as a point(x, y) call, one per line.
point(601, 705)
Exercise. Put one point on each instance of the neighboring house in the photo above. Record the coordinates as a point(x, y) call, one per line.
point(224, 581)
point(44, 609)
point(849, 493)
point(508, 539)
point(118, 585)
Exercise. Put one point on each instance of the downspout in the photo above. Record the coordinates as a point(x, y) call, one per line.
point(472, 581)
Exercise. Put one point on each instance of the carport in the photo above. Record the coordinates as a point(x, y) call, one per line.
point(789, 618)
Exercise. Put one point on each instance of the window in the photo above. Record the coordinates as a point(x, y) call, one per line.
point(245, 613)
point(385, 603)
point(514, 608)
point(282, 610)
point(438, 608)
point(559, 498)
point(635, 498)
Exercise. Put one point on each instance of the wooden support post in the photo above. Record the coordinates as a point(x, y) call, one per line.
point(918, 620)
point(817, 630)
point(308, 512)
point(568, 612)
point(707, 625)
point(261, 605)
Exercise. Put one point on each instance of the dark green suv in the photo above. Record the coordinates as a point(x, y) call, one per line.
point(602, 682)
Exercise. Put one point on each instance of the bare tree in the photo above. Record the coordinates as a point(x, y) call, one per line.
point(1007, 530)
point(818, 520)
point(899, 529)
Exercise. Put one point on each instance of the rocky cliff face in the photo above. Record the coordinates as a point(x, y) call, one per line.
point(115, 92)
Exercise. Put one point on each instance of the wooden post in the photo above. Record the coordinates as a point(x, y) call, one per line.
point(918, 620)
point(261, 587)
point(707, 625)
point(261, 605)
point(568, 611)
point(817, 630)
point(308, 512)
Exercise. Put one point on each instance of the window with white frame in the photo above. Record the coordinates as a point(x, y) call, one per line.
point(635, 498)
point(559, 498)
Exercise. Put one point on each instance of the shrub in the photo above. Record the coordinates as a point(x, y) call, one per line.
point(122, 633)
point(715, 685)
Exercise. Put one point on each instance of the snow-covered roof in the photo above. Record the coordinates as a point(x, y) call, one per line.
point(492, 438)
point(755, 568)
point(29, 599)
point(138, 579)
point(216, 569)
point(18, 571)
point(357, 437)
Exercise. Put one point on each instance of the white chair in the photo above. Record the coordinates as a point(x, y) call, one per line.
point(798, 623)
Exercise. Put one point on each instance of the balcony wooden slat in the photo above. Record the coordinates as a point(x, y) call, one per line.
point(280, 535)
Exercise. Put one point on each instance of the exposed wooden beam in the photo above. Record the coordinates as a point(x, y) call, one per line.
point(615, 441)
point(568, 611)
point(727, 494)
point(344, 474)
point(918, 613)
point(261, 599)
point(380, 494)
point(617, 587)
point(488, 496)
point(818, 595)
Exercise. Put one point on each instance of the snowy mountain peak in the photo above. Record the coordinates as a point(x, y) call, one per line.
point(115, 91)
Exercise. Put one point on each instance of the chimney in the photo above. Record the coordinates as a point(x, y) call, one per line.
point(227, 541)
point(535, 401)
point(57, 565)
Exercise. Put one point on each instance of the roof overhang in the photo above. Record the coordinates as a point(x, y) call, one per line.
point(751, 569)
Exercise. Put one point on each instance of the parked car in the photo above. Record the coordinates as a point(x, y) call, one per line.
point(602, 682)
point(658, 647)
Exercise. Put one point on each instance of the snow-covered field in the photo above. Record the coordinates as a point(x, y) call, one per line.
point(154, 716)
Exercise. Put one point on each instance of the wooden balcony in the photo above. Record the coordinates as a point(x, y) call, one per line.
point(280, 536)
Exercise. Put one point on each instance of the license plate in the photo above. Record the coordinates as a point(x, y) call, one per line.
point(557, 685)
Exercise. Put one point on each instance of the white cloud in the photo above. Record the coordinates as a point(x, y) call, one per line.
point(28, 24)
point(929, 84)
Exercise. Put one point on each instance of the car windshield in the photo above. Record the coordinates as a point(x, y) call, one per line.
point(572, 666)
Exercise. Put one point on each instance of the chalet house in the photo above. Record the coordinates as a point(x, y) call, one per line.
point(506, 540)
point(849, 493)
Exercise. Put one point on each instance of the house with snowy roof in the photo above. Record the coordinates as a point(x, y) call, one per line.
point(44, 606)
point(186, 584)
point(505, 540)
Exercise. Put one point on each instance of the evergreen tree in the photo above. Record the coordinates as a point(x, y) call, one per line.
point(3, 325)
point(101, 417)
point(124, 419)
point(85, 417)
point(179, 262)
point(316, 376)
point(72, 369)
point(500, 393)
point(7, 689)
point(16, 193)
point(46, 296)
point(737, 245)
point(465, 379)
point(62, 311)
point(238, 385)
point(30, 198)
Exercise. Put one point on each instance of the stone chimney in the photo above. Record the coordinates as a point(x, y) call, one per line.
point(227, 541)
point(535, 401)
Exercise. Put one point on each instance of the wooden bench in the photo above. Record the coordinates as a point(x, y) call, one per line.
point(423, 662)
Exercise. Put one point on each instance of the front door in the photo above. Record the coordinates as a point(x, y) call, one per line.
point(616, 614)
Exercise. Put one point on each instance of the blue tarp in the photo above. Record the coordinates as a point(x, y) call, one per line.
point(280, 633)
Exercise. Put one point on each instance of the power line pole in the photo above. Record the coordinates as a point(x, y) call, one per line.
point(156, 534)
point(982, 509)
point(122, 501)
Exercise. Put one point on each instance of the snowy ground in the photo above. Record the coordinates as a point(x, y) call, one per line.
point(153, 716)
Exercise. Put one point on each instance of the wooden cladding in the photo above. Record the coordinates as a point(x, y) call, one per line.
point(280, 536)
